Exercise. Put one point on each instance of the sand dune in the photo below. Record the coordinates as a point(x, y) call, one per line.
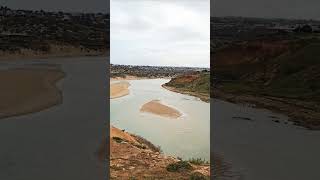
point(119, 89)
point(155, 107)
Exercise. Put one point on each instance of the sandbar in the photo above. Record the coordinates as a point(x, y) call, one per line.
point(24, 91)
point(119, 89)
point(156, 107)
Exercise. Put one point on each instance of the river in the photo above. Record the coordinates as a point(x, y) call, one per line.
point(60, 142)
point(186, 137)
point(260, 148)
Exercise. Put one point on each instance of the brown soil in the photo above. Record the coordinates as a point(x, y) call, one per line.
point(136, 160)
point(247, 52)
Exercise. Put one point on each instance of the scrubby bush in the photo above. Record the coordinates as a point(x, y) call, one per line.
point(179, 166)
point(198, 161)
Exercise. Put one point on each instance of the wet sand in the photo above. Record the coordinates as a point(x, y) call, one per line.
point(25, 91)
point(155, 107)
point(119, 89)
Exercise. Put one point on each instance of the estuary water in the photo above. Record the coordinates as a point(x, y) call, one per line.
point(261, 145)
point(186, 137)
point(59, 142)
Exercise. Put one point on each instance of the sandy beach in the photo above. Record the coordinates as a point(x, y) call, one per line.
point(28, 90)
point(119, 89)
point(155, 107)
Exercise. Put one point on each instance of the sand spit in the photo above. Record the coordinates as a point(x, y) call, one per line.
point(24, 91)
point(119, 89)
point(155, 107)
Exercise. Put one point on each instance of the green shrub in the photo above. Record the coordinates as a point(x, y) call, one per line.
point(198, 161)
point(118, 140)
point(179, 166)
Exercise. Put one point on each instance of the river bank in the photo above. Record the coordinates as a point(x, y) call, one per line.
point(202, 96)
point(55, 51)
point(301, 113)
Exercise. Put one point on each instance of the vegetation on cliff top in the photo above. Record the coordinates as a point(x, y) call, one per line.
point(196, 84)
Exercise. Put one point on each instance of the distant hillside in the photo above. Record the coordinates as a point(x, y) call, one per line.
point(287, 71)
point(27, 33)
point(196, 84)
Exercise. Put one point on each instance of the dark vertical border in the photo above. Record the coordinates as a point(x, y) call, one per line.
point(211, 95)
point(107, 124)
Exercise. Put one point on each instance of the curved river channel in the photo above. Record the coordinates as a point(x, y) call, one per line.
point(186, 137)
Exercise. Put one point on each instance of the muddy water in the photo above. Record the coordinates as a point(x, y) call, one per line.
point(258, 147)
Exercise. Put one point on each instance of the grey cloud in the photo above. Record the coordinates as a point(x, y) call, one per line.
point(57, 5)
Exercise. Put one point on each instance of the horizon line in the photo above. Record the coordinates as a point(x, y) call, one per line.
point(160, 65)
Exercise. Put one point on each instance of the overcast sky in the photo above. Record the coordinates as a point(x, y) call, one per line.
point(297, 9)
point(160, 32)
point(57, 5)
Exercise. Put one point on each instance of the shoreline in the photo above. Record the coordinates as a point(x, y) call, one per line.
point(130, 77)
point(49, 56)
point(202, 97)
point(301, 113)
point(40, 94)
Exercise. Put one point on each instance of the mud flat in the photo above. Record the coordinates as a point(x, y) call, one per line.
point(156, 107)
point(119, 89)
point(24, 91)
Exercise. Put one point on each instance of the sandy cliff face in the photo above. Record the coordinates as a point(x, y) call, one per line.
point(136, 158)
